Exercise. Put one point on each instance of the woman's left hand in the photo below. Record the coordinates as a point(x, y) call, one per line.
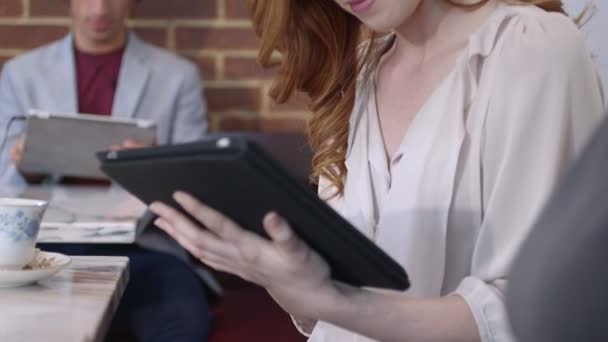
point(295, 275)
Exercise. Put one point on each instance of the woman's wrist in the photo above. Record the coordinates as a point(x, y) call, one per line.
point(339, 304)
point(355, 308)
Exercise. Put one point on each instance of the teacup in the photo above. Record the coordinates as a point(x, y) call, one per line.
point(19, 227)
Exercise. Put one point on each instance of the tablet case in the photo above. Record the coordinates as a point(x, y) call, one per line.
point(235, 176)
point(66, 144)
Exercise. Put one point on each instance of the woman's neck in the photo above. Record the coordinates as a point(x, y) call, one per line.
point(437, 25)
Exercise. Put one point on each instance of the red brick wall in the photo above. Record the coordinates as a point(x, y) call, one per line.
point(216, 34)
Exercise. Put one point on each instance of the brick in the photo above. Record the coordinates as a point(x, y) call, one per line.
point(227, 123)
point(149, 9)
point(153, 35)
point(237, 9)
point(233, 105)
point(11, 8)
point(206, 65)
point(233, 99)
point(236, 68)
point(297, 102)
point(28, 37)
point(215, 38)
point(191, 9)
point(11, 36)
point(49, 8)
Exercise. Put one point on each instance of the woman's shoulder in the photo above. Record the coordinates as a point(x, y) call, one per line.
point(525, 35)
point(544, 78)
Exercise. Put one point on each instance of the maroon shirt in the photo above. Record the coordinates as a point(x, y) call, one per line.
point(97, 77)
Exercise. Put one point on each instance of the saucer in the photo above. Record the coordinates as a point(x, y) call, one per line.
point(44, 265)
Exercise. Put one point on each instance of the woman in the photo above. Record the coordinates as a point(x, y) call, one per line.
point(439, 141)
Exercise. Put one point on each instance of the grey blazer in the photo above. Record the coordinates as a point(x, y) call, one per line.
point(153, 84)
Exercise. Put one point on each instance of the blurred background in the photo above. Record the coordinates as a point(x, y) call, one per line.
point(215, 34)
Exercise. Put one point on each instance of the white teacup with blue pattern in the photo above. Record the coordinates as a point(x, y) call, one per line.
point(19, 227)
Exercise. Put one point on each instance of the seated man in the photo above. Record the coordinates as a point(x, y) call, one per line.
point(102, 68)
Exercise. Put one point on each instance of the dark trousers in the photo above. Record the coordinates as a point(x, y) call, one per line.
point(164, 299)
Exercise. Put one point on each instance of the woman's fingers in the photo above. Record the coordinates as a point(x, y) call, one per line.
point(173, 217)
point(249, 245)
point(282, 235)
point(214, 220)
point(240, 247)
point(193, 237)
point(228, 247)
point(194, 248)
point(219, 224)
point(225, 255)
point(191, 231)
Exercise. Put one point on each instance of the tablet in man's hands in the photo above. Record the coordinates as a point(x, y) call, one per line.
point(66, 143)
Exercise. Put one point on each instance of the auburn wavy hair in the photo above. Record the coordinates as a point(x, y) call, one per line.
point(315, 45)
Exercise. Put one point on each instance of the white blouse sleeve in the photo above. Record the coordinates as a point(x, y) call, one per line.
point(545, 104)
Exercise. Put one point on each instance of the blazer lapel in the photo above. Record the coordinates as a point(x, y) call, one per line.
point(61, 75)
point(132, 79)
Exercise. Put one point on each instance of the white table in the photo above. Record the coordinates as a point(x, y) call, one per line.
point(75, 305)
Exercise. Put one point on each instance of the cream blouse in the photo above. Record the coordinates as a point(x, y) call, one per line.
point(476, 164)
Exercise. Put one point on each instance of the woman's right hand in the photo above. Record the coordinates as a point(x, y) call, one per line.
point(16, 152)
point(296, 276)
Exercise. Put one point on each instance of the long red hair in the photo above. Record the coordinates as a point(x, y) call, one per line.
point(318, 47)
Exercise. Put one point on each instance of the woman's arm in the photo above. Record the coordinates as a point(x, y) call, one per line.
point(299, 279)
point(389, 317)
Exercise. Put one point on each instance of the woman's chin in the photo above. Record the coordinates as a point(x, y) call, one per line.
point(381, 24)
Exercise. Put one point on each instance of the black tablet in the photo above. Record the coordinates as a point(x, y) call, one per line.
point(237, 177)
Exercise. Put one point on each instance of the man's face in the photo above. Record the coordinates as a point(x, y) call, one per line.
point(100, 21)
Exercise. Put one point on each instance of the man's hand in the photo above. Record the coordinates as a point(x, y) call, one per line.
point(129, 144)
point(17, 151)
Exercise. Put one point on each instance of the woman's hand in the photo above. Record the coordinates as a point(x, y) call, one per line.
point(294, 275)
point(299, 279)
